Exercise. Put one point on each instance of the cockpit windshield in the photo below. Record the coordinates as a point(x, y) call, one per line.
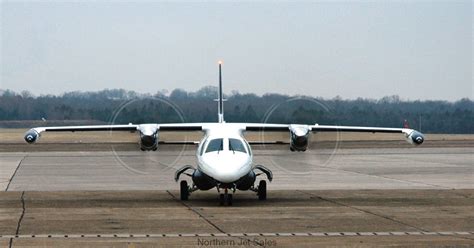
point(215, 145)
point(236, 145)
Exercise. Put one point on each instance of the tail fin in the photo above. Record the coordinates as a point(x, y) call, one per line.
point(220, 109)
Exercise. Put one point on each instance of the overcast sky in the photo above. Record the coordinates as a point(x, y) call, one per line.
point(417, 50)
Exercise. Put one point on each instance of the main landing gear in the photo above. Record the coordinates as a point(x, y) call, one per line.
point(184, 190)
point(262, 190)
point(225, 197)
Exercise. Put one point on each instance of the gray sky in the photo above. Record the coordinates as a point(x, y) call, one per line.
point(418, 50)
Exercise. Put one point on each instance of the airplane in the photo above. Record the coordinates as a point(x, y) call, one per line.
point(224, 157)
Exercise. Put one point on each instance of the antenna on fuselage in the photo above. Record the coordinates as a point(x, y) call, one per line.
point(220, 108)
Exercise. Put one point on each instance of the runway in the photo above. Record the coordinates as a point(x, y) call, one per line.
point(287, 218)
point(386, 168)
point(347, 197)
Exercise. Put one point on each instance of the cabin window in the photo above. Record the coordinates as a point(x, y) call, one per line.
point(236, 145)
point(215, 145)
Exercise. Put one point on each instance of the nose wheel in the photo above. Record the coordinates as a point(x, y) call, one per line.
point(225, 199)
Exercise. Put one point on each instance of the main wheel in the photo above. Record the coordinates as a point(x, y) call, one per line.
point(229, 199)
point(184, 190)
point(262, 190)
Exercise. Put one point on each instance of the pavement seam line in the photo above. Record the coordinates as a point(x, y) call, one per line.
point(177, 235)
point(196, 212)
point(207, 220)
point(377, 176)
point(22, 213)
point(20, 219)
point(404, 180)
point(379, 215)
point(365, 211)
point(395, 179)
point(14, 173)
point(409, 181)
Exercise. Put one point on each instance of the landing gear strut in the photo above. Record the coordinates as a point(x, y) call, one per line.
point(225, 198)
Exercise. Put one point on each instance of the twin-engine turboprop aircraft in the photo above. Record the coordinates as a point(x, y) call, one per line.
point(224, 157)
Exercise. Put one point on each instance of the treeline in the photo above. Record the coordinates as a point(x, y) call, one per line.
point(121, 107)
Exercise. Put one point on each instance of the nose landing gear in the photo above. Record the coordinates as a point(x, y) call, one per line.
point(225, 198)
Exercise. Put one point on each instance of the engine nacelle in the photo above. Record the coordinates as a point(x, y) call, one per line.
point(203, 181)
point(299, 137)
point(246, 182)
point(148, 137)
point(31, 136)
point(148, 142)
point(415, 137)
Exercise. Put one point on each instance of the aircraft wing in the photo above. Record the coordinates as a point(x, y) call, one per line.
point(129, 127)
point(299, 133)
point(147, 131)
point(328, 128)
point(321, 128)
point(266, 127)
point(412, 136)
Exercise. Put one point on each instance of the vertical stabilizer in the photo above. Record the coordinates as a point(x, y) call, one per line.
point(220, 114)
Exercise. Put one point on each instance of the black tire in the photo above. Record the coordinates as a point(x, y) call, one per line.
point(229, 199)
point(221, 199)
point(262, 190)
point(184, 190)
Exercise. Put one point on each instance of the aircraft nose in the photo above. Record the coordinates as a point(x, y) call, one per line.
point(230, 170)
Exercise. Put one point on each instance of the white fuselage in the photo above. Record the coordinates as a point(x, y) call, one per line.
point(223, 153)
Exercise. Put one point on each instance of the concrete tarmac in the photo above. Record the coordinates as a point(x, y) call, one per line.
point(368, 168)
point(324, 197)
point(289, 218)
